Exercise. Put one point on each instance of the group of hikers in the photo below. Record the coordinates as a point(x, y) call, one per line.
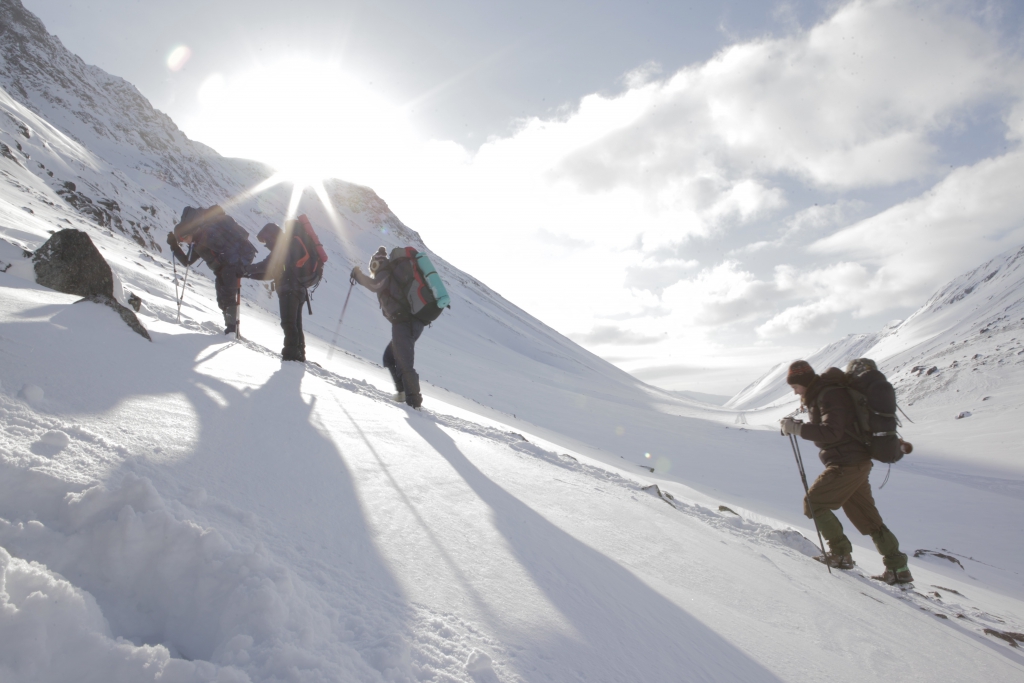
point(409, 297)
point(851, 414)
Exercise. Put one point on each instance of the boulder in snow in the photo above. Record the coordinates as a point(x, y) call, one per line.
point(69, 262)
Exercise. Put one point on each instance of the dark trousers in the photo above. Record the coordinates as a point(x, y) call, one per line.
point(226, 284)
point(291, 322)
point(399, 357)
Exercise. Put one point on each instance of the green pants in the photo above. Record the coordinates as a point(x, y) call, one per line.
point(848, 487)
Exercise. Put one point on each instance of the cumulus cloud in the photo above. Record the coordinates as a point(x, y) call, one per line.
point(613, 335)
point(785, 186)
point(657, 276)
point(850, 103)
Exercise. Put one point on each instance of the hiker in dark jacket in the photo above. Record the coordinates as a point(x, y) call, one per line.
point(280, 266)
point(844, 483)
point(405, 329)
point(217, 239)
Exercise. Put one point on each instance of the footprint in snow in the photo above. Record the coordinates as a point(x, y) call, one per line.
point(51, 443)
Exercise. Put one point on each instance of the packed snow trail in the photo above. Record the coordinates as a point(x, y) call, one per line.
point(212, 513)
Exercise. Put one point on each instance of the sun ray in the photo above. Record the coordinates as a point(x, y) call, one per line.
point(272, 181)
point(332, 214)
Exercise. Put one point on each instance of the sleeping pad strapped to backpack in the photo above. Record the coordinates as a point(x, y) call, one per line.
point(874, 400)
point(417, 278)
point(310, 267)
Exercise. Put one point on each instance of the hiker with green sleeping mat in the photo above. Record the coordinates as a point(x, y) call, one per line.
point(411, 296)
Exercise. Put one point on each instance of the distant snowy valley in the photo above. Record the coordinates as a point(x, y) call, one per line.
point(193, 509)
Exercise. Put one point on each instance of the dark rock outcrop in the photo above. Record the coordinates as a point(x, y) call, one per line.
point(69, 262)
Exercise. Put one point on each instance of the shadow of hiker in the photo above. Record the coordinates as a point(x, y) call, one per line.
point(627, 631)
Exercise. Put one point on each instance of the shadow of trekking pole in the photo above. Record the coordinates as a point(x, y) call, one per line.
point(803, 478)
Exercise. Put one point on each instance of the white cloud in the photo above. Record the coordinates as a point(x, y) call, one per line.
point(616, 191)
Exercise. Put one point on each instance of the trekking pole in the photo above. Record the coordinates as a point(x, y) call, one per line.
point(238, 311)
point(803, 478)
point(330, 352)
point(185, 282)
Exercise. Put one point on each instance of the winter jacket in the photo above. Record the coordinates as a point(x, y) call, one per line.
point(280, 268)
point(390, 296)
point(833, 420)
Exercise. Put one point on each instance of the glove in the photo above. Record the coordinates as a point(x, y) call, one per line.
point(352, 275)
point(172, 240)
point(791, 425)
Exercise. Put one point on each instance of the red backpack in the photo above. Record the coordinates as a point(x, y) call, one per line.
point(310, 266)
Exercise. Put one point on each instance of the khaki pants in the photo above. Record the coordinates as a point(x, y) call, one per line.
point(848, 488)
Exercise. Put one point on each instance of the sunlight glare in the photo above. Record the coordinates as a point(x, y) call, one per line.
point(309, 120)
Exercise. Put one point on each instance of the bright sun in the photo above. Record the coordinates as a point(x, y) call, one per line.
point(309, 120)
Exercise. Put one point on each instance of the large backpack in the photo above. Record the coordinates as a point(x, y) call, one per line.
point(226, 238)
point(421, 287)
point(310, 266)
point(874, 401)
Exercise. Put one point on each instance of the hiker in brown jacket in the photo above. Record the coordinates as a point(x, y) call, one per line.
point(844, 483)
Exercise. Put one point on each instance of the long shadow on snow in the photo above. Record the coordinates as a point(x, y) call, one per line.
point(628, 632)
point(267, 471)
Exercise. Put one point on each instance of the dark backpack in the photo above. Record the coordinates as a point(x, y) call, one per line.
point(874, 401)
point(226, 238)
point(421, 288)
point(310, 266)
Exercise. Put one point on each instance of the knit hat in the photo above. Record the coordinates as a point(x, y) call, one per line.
point(378, 260)
point(800, 372)
point(268, 234)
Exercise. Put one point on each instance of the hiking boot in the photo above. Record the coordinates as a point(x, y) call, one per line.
point(231, 329)
point(895, 576)
point(837, 561)
point(398, 397)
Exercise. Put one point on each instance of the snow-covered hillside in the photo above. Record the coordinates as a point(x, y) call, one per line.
point(960, 356)
point(771, 386)
point(193, 509)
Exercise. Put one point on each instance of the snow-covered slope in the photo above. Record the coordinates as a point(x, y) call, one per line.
point(193, 509)
point(772, 387)
point(961, 355)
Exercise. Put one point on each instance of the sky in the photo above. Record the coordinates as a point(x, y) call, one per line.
point(693, 191)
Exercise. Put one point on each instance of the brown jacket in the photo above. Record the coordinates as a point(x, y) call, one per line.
point(832, 421)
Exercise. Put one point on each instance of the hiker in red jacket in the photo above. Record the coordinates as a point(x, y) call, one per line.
point(280, 266)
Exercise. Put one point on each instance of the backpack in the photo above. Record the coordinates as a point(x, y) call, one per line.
point(421, 287)
point(226, 238)
point(874, 402)
point(310, 266)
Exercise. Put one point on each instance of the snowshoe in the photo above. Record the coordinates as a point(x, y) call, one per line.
point(894, 577)
point(844, 561)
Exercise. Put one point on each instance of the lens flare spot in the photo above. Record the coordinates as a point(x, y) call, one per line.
point(178, 58)
point(662, 466)
point(647, 455)
point(620, 431)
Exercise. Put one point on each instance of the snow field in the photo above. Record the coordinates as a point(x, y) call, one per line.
point(271, 522)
